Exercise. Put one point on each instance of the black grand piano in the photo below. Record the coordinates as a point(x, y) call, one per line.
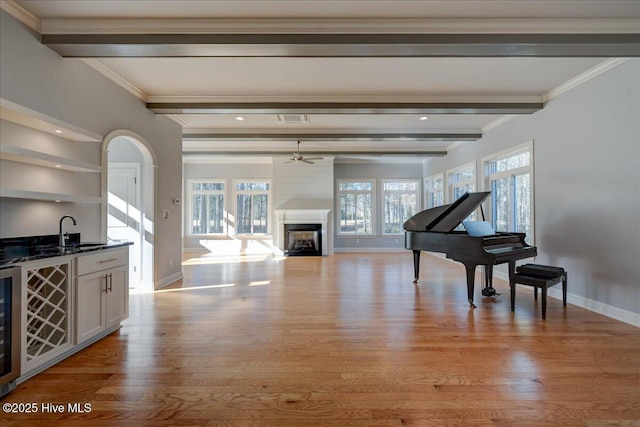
point(433, 230)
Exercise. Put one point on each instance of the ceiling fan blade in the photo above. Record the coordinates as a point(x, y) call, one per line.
point(314, 158)
point(306, 161)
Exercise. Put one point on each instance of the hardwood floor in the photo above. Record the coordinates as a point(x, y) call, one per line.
point(345, 340)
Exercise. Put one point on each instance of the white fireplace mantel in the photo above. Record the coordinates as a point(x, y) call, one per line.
point(303, 216)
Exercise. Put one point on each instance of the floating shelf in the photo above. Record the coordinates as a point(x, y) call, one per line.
point(23, 155)
point(51, 197)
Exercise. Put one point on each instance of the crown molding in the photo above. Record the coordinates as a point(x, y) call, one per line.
point(583, 78)
point(116, 78)
point(342, 26)
point(498, 122)
point(21, 14)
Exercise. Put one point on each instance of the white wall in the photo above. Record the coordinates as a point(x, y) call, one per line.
point(227, 171)
point(33, 76)
point(377, 171)
point(298, 185)
point(32, 218)
point(587, 185)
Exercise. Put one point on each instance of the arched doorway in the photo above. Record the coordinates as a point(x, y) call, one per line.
point(129, 214)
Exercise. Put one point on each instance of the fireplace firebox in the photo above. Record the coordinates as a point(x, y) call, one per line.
point(303, 239)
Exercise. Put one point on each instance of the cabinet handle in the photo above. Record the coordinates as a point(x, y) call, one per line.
point(107, 260)
point(110, 282)
point(106, 283)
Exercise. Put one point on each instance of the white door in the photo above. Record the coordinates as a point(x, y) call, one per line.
point(124, 216)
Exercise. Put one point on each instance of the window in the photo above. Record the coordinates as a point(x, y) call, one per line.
point(461, 180)
point(356, 200)
point(434, 191)
point(252, 207)
point(401, 201)
point(509, 176)
point(208, 211)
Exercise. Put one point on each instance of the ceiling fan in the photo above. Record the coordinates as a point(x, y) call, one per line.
point(296, 156)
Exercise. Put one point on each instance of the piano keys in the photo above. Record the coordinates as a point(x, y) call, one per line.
point(433, 230)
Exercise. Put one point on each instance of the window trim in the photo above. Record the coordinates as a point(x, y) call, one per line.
point(427, 189)
point(383, 192)
point(449, 186)
point(224, 192)
point(487, 178)
point(338, 198)
point(234, 197)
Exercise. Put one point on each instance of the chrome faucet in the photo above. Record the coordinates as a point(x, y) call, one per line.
point(61, 235)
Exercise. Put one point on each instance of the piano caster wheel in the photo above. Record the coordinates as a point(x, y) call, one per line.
point(489, 291)
point(415, 281)
point(471, 304)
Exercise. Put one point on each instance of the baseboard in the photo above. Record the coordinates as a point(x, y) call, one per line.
point(168, 280)
point(199, 250)
point(597, 307)
point(346, 250)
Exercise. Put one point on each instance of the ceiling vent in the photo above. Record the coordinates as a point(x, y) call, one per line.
point(293, 119)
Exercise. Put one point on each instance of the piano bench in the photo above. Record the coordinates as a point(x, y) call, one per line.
point(539, 276)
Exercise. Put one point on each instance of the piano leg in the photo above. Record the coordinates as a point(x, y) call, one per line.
point(512, 283)
point(488, 290)
point(471, 277)
point(416, 265)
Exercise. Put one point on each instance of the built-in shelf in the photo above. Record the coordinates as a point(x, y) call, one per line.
point(23, 155)
point(51, 197)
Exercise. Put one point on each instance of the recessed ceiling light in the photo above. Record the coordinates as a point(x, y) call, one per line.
point(424, 118)
point(239, 118)
point(58, 201)
point(58, 131)
point(58, 166)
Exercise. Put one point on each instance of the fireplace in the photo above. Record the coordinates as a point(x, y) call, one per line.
point(316, 219)
point(303, 239)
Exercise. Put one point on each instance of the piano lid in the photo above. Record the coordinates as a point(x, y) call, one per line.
point(446, 218)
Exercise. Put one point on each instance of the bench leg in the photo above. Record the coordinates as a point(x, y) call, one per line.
point(544, 303)
point(535, 293)
point(564, 290)
point(512, 283)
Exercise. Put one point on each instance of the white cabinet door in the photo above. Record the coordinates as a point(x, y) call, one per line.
point(117, 295)
point(103, 292)
point(91, 305)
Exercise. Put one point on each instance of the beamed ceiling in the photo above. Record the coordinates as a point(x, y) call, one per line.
point(349, 78)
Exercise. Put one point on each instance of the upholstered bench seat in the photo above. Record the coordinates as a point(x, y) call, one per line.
point(539, 276)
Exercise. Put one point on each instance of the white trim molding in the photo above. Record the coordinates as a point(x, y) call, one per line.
point(168, 280)
point(116, 78)
point(21, 14)
point(582, 78)
point(302, 216)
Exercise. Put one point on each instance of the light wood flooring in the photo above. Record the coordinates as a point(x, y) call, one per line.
point(344, 340)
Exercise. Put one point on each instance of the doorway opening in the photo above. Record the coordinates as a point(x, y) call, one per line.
point(130, 207)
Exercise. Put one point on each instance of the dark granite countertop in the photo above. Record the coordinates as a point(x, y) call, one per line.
point(22, 249)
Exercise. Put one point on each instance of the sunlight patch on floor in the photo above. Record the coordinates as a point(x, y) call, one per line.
point(198, 259)
point(195, 288)
point(260, 283)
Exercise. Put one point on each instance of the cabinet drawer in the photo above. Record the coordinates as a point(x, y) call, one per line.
point(102, 260)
